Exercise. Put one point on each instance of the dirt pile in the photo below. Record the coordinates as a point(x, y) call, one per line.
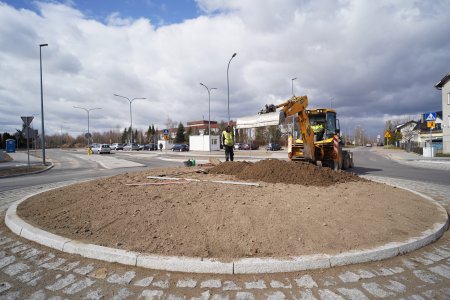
point(279, 171)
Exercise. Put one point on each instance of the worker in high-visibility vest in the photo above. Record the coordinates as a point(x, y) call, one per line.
point(228, 143)
point(318, 130)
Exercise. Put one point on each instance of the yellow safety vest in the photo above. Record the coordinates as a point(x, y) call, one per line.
point(228, 138)
point(317, 128)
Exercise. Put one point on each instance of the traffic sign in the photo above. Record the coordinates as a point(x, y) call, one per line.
point(430, 116)
point(166, 131)
point(431, 124)
point(88, 135)
point(387, 135)
point(27, 120)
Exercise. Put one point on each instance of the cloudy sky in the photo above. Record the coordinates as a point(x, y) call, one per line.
point(371, 60)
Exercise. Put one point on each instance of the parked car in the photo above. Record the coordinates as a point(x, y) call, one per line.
point(238, 146)
point(180, 147)
point(250, 146)
point(116, 146)
point(368, 145)
point(130, 147)
point(101, 149)
point(273, 147)
point(150, 147)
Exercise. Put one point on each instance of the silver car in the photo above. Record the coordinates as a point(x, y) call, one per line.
point(101, 149)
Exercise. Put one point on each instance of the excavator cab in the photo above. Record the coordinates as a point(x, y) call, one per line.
point(323, 123)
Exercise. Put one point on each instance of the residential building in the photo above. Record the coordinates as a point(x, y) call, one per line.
point(444, 86)
point(422, 132)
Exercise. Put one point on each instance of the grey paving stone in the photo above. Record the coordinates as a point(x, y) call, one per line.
point(45, 259)
point(349, 277)
point(151, 294)
point(94, 295)
point(442, 252)
point(211, 284)
point(278, 284)
point(278, 295)
point(123, 293)
point(426, 276)
point(34, 281)
point(245, 296)
point(365, 274)
point(204, 296)
point(144, 282)
point(175, 297)
point(19, 249)
point(328, 281)
point(121, 279)
point(28, 276)
point(4, 286)
point(84, 270)
point(61, 283)
point(68, 267)
point(78, 286)
point(10, 296)
point(414, 297)
point(38, 295)
point(163, 284)
point(255, 285)
point(12, 245)
point(384, 272)
point(432, 256)
point(304, 295)
point(2, 254)
point(220, 297)
point(14, 269)
point(329, 295)
point(54, 264)
point(442, 270)
point(396, 270)
point(230, 286)
point(352, 294)
point(56, 298)
point(396, 287)
point(376, 290)
point(409, 264)
point(186, 283)
point(7, 261)
point(423, 261)
point(306, 281)
point(5, 240)
point(31, 253)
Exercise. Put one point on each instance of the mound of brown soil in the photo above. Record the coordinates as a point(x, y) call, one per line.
point(279, 171)
point(210, 219)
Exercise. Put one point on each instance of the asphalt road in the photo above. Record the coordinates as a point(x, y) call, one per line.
point(370, 162)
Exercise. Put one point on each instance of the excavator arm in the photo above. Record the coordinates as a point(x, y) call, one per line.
point(290, 107)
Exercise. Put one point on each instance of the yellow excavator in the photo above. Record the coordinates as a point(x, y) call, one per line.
point(320, 142)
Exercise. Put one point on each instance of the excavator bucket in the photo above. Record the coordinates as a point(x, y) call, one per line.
point(267, 119)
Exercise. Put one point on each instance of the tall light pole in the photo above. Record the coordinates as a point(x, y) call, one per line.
point(42, 104)
point(88, 110)
point(228, 86)
point(131, 116)
point(292, 81)
point(293, 123)
point(209, 112)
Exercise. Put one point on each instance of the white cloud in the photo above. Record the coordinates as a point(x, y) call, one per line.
point(376, 59)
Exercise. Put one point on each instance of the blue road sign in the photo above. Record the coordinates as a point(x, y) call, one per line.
point(430, 116)
point(166, 131)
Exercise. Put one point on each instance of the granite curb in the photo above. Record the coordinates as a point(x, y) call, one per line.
point(214, 266)
point(30, 173)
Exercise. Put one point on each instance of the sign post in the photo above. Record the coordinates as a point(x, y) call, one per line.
point(387, 136)
point(27, 121)
point(431, 118)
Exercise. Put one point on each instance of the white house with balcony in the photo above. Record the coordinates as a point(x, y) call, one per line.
point(444, 86)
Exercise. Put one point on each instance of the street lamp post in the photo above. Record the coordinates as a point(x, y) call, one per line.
point(42, 104)
point(228, 86)
point(131, 116)
point(293, 123)
point(292, 81)
point(209, 112)
point(88, 110)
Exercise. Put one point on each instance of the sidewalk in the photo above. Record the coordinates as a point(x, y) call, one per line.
point(19, 165)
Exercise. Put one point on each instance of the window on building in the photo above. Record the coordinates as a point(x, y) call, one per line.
point(214, 141)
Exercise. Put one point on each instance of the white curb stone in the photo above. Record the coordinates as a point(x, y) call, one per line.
point(101, 253)
point(184, 264)
point(270, 265)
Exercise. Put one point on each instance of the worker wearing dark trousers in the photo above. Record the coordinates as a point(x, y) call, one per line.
point(228, 143)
